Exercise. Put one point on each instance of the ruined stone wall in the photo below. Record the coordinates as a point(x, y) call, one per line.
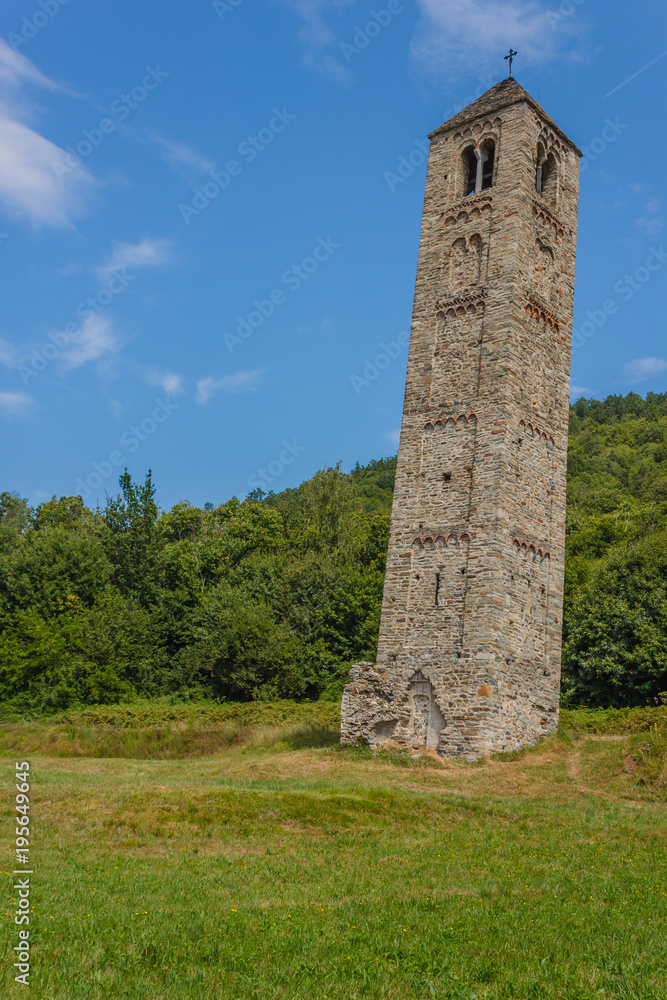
point(469, 650)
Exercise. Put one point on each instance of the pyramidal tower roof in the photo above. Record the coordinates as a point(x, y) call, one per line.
point(502, 94)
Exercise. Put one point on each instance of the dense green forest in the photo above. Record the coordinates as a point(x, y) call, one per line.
point(274, 596)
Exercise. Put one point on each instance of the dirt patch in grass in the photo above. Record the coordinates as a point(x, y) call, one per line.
point(630, 765)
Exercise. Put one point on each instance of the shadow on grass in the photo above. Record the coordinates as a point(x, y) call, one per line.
point(170, 741)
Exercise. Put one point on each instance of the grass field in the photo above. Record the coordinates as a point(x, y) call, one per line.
point(281, 866)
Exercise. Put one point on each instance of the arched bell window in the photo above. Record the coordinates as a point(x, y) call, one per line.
point(488, 151)
point(550, 180)
point(469, 170)
point(478, 162)
point(546, 176)
point(539, 160)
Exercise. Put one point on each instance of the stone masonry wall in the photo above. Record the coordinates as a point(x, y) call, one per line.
point(470, 637)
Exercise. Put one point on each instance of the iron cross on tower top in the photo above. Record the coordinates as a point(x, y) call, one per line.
point(511, 55)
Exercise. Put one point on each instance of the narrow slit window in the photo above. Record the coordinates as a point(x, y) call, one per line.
point(437, 590)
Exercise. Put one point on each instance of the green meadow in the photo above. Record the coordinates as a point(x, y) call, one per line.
point(242, 853)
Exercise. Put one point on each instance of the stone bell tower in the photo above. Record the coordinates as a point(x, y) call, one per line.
point(470, 637)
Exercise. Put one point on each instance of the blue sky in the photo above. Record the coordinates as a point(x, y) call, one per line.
point(204, 244)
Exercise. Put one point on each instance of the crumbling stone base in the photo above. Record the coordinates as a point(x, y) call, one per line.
point(410, 711)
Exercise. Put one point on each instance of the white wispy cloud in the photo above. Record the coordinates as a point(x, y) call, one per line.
point(320, 46)
point(178, 154)
point(72, 268)
point(394, 436)
point(643, 368)
point(650, 222)
point(29, 187)
point(238, 382)
point(146, 253)
point(8, 354)
point(454, 36)
point(15, 68)
point(94, 340)
point(14, 404)
point(171, 383)
point(579, 390)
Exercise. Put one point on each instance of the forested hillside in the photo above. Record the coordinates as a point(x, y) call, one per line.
point(274, 596)
point(615, 621)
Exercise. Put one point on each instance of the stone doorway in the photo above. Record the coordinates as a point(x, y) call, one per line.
point(426, 719)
